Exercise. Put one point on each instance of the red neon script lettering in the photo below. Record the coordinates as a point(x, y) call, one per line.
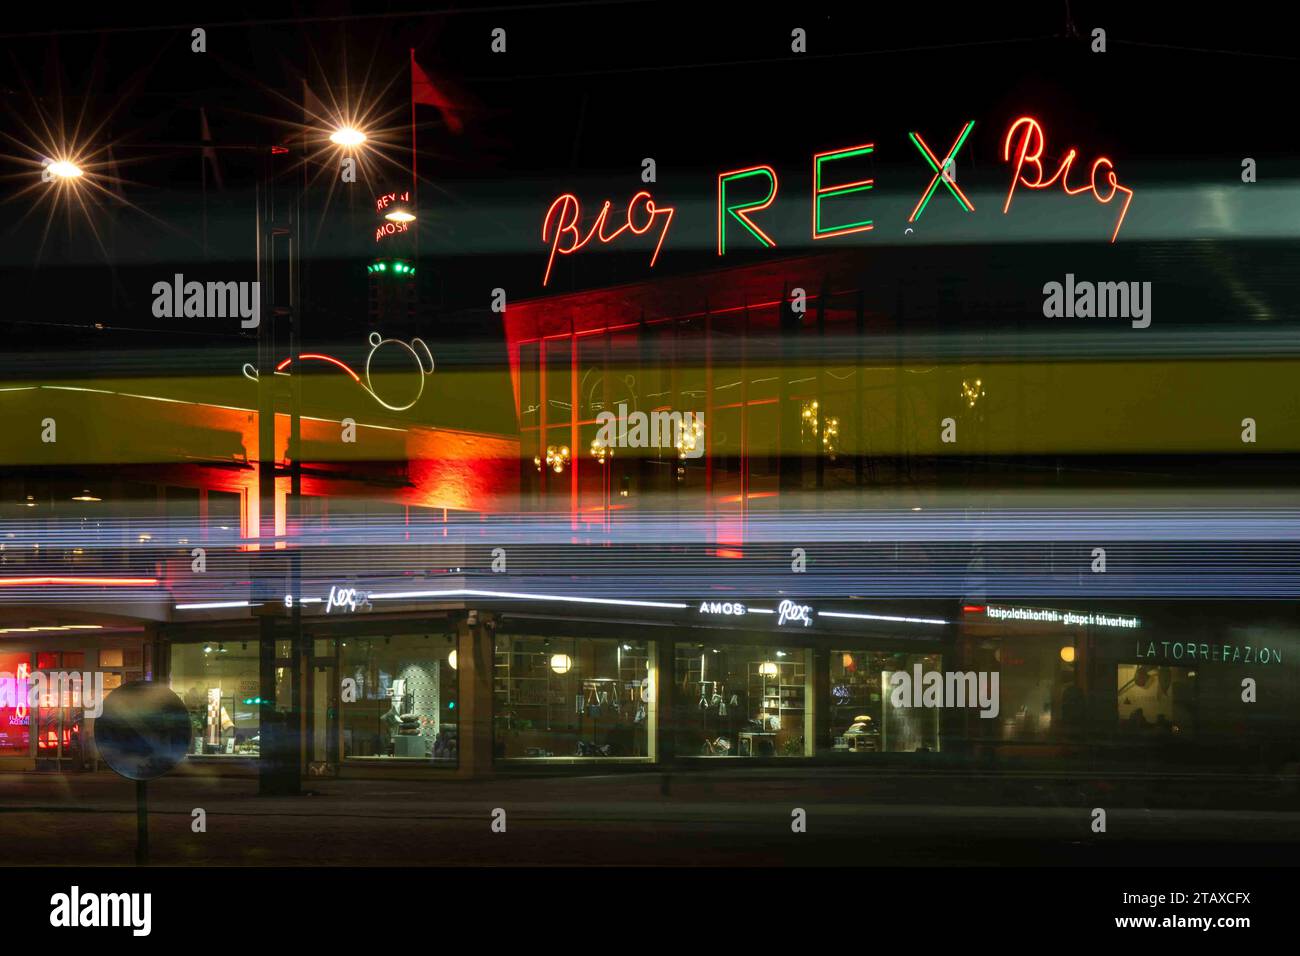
point(566, 212)
point(1029, 152)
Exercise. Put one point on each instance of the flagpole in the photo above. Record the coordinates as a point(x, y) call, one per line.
point(415, 176)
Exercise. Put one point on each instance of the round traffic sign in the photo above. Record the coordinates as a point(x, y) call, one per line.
point(144, 730)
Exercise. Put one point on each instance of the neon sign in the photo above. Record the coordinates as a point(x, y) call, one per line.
point(416, 350)
point(387, 199)
point(740, 210)
point(941, 171)
point(1023, 145)
point(1029, 152)
point(792, 613)
point(347, 598)
point(569, 211)
point(391, 229)
point(844, 189)
point(399, 220)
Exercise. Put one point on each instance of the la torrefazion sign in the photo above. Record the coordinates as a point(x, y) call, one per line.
point(744, 193)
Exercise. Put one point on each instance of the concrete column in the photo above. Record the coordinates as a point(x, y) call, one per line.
point(474, 663)
point(665, 700)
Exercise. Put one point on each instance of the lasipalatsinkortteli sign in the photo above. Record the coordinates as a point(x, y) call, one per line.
point(742, 194)
point(1040, 615)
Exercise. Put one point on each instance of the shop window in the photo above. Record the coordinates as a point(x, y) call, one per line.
point(15, 718)
point(573, 698)
point(863, 718)
point(403, 694)
point(529, 379)
point(739, 701)
point(1156, 702)
point(559, 380)
point(219, 683)
point(1040, 700)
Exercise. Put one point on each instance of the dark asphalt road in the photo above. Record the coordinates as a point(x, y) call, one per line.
point(739, 817)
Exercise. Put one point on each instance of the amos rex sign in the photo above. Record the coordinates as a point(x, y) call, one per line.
point(743, 194)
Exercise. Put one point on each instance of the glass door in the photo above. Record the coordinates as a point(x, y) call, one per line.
point(60, 714)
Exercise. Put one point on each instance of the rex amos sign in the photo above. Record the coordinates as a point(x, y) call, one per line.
point(743, 194)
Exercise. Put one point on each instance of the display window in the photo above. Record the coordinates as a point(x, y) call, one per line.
point(219, 683)
point(573, 698)
point(864, 718)
point(1156, 701)
point(399, 697)
point(1042, 699)
point(15, 716)
point(742, 701)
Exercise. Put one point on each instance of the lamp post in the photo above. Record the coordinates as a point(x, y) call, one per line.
point(279, 222)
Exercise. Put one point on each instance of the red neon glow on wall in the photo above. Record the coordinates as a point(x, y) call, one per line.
point(89, 582)
point(570, 214)
point(1029, 152)
point(316, 356)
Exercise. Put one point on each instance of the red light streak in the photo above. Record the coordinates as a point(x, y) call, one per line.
point(972, 608)
point(316, 356)
point(89, 582)
point(1027, 155)
point(570, 214)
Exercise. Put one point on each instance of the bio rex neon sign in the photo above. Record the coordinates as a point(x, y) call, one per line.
point(1023, 146)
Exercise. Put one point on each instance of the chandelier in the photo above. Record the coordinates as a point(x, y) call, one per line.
point(811, 424)
point(556, 458)
point(688, 439)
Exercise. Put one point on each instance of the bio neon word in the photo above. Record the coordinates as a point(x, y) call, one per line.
point(1029, 152)
point(566, 213)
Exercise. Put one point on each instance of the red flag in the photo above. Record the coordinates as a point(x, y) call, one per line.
point(423, 91)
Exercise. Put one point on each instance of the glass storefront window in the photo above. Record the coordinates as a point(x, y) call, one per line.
point(405, 697)
point(219, 684)
point(573, 697)
point(1156, 701)
point(15, 718)
point(742, 701)
point(863, 718)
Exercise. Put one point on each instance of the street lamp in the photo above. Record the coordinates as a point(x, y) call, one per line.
point(347, 136)
point(63, 169)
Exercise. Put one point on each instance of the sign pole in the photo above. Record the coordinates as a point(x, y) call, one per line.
point(142, 823)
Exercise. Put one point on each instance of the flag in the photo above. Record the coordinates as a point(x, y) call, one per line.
point(424, 91)
point(209, 154)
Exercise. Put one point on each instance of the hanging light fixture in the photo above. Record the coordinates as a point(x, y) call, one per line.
point(560, 663)
point(972, 392)
point(556, 458)
point(688, 439)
